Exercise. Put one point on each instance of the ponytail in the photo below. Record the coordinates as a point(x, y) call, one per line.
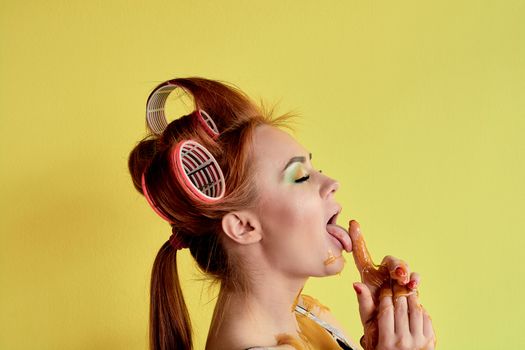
point(170, 325)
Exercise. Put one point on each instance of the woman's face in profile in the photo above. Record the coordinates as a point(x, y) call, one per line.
point(297, 201)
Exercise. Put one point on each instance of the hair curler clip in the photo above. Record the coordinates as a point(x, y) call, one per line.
point(192, 164)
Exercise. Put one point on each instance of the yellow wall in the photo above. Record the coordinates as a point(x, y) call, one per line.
point(416, 107)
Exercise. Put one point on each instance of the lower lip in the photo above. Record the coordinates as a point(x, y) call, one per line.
point(335, 240)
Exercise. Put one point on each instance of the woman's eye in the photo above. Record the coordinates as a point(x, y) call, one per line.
point(297, 173)
point(302, 179)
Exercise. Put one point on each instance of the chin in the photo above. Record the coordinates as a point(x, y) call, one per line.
point(335, 264)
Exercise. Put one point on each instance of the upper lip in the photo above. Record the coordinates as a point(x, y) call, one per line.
point(332, 219)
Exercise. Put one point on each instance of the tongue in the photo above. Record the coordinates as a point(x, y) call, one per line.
point(341, 235)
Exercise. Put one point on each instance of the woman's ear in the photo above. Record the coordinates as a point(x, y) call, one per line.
point(242, 227)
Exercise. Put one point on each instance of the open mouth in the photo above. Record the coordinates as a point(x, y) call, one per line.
point(333, 219)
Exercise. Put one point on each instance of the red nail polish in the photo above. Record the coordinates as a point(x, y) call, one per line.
point(412, 284)
point(357, 289)
point(400, 272)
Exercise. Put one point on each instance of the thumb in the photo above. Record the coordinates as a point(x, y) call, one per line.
point(366, 303)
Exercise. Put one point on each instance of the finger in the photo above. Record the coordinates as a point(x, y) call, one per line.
point(415, 280)
point(385, 315)
point(401, 323)
point(366, 303)
point(362, 257)
point(428, 329)
point(415, 315)
point(399, 270)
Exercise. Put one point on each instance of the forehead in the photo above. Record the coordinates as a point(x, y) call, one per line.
point(273, 147)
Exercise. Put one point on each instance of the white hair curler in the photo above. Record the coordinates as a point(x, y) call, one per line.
point(156, 118)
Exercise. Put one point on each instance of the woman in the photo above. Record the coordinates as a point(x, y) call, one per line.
point(260, 236)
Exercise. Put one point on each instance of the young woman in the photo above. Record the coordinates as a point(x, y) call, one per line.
point(260, 221)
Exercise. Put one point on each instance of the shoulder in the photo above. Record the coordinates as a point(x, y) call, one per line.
point(242, 339)
point(279, 347)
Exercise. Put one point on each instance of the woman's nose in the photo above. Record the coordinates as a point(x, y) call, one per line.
point(330, 186)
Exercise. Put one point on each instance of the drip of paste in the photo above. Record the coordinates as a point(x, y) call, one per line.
point(311, 335)
point(332, 258)
point(379, 279)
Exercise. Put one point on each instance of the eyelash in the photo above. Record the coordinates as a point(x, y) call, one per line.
point(302, 179)
point(305, 178)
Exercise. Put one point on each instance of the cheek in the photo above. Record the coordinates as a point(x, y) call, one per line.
point(287, 215)
point(291, 216)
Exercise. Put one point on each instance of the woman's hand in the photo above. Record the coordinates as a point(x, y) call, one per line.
point(402, 322)
point(389, 306)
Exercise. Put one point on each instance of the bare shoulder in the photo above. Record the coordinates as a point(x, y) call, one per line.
point(224, 346)
point(239, 339)
point(279, 347)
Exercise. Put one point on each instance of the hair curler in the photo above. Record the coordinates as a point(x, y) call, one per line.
point(156, 118)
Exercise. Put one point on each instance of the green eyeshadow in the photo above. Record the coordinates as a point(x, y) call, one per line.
point(295, 172)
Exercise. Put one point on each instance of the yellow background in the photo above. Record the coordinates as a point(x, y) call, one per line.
point(417, 108)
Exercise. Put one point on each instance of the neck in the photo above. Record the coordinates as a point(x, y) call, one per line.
point(268, 306)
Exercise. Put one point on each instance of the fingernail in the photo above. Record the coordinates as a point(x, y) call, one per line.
point(400, 272)
point(412, 284)
point(357, 289)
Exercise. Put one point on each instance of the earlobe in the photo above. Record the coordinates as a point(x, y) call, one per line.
point(242, 227)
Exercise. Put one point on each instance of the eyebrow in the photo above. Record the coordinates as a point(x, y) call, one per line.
point(296, 159)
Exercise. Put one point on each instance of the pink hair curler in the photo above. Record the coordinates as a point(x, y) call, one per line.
point(196, 168)
point(207, 123)
point(156, 118)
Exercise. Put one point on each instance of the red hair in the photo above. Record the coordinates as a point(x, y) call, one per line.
point(198, 224)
